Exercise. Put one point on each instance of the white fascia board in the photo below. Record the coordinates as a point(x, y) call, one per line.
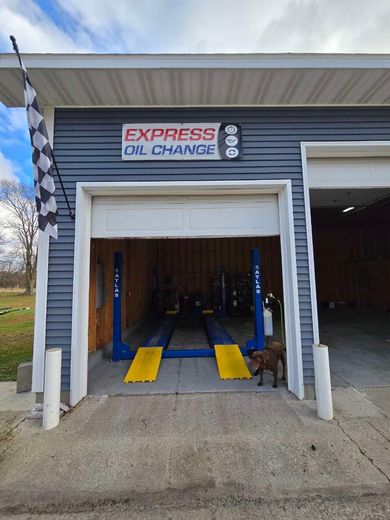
point(329, 149)
point(199, 61)
point(169, 188)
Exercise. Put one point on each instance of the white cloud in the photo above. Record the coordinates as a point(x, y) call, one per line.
point(16, 119)
point(7, 169)
point(198, 26)
point(35, 31)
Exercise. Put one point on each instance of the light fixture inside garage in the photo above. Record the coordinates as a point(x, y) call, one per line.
point(350, 208)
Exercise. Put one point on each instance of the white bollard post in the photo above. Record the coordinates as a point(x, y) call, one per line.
point(322, 382)
point(52, 389)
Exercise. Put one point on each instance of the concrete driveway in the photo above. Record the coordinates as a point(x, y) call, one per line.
point(225, 455)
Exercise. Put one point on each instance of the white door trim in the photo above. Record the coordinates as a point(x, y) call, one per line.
point(332, 149)
point(84, 193)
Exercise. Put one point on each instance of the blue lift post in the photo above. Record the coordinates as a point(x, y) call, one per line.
point(257, 342)
point(120, 350)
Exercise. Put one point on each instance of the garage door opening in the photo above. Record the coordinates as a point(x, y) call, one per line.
point(351, 238)
point(186, 278)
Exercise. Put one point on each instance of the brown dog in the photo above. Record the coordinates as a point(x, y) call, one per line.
point(268, 359)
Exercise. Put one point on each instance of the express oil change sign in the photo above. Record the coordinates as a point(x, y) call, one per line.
point(181, 142)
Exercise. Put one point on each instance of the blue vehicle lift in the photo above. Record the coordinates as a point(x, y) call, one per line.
point(216, 333)
point(120, 350)
point(162, 335)
point(257, 343)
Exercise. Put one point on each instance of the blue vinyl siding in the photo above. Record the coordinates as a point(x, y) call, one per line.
point(87, 145)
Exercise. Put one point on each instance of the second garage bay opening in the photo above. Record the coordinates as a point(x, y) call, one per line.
point(184, 278)
point(352, 258)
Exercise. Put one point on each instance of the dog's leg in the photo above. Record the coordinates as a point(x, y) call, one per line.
point(283, 360)
point(260, 383)
point(275, 385)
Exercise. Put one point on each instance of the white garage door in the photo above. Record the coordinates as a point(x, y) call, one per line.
point(197, 216)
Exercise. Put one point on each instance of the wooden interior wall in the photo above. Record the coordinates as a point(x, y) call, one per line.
point(352, 260)
point(138, 261)
point(100, 320)
point(188, 265)
point(141, 255)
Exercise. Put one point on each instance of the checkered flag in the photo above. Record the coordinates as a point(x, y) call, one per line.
point(42, 157)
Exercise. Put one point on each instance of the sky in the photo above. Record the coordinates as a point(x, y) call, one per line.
point(183, 26)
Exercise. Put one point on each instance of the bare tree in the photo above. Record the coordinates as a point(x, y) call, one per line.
point(6, 262)
point(19, 201)
point(10, 265)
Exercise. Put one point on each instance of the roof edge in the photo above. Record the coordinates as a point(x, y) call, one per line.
point(206, 61)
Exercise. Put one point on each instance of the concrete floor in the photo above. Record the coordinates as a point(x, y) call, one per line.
point(189, 333)
point(186, 375)
point(10, 401)
point(359, 346)
point(359, 349)
point(202, 456)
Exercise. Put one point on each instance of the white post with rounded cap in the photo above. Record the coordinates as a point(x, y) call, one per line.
point(52, 389)
point(322, 382)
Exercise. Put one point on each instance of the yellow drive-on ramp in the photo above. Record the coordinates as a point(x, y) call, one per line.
point(145, 365)
point(231, 364)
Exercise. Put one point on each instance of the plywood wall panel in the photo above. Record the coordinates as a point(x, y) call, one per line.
point(186, 265)
point(348, 258)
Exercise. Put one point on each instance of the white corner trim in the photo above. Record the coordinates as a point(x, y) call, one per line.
point(290, 288)
point(39, 343)
point(84, 193)
point(80, 305)
point(310, 249)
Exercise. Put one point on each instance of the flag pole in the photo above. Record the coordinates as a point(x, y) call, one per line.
point(71, 214)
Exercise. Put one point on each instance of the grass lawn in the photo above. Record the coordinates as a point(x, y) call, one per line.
point(16, 333)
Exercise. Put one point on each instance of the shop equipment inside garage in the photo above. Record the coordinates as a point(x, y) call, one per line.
point(179, 315)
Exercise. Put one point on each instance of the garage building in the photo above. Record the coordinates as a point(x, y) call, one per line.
point(313, 142)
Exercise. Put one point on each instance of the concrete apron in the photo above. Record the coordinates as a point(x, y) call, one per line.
point(183, 375)
point(197, 448)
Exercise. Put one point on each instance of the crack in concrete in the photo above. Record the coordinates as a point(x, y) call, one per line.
point(370, 459)
point(380, 433)
point(102, 400)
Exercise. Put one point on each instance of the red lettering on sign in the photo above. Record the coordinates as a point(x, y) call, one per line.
point(209, 134)
point(156, 132)
point(196, 134)
point(130, 134)
point(143, 134)
point(183, 134)
point(170, 132)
